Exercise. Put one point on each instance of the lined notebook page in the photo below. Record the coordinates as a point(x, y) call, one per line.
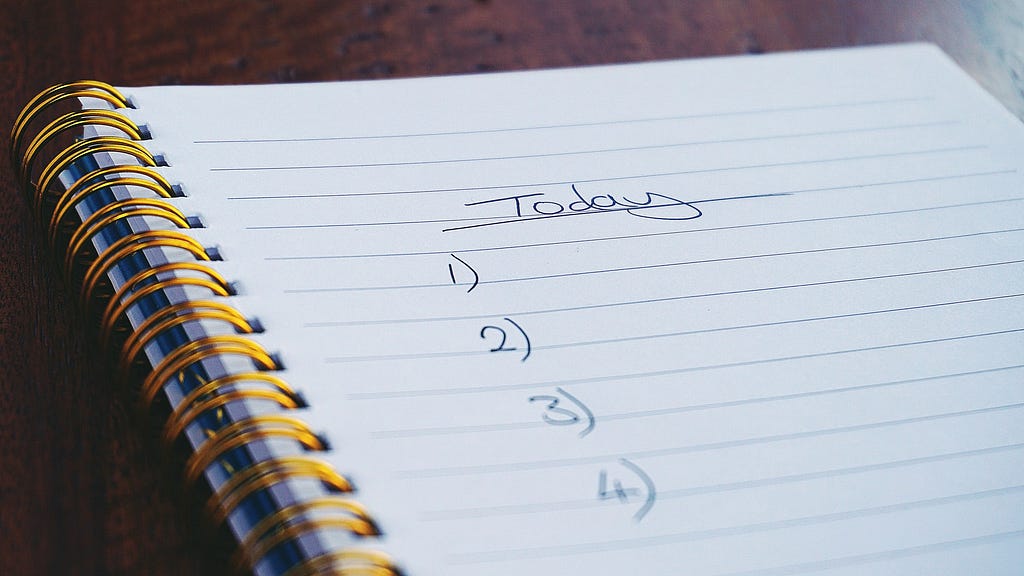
point(758, 315)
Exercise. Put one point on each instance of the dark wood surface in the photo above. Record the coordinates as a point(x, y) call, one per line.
point(82, 490)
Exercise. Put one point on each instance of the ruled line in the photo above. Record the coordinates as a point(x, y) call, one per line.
point(671, 298)
point(534, 423)
point(649, 234)
point(437, 190)
point(546, 464)
point(624, 177)
point(753, 111)
point(587, 503)
point(450, 391)
point(654, 266)
point(494, 220)
point(552, 551)
point(582, 343)
point(886, 555)
point(597, 150)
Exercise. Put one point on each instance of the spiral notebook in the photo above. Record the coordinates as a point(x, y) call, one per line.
point(391, 329)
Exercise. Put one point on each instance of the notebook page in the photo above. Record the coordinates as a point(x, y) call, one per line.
point(757, 315)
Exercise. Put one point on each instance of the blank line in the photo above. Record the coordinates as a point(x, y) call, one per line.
point(769, 324)
point(626, 177)
point(535, 423)
point(648, 541)
point(583, 504)
point(596, 150)
point(572, 125)
point(485, 352)
point(664, 299)
point(654, 373)
point(879, 556)
point(658, 266)
point(450, 471)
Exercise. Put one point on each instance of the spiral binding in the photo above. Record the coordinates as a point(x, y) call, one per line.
point(140, 313)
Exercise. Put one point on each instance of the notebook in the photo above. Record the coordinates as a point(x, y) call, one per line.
point(754, 315)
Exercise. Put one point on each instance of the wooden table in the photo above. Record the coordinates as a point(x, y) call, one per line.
point(82, 487)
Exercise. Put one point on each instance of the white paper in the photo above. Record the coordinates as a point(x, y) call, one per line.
point(808, 359)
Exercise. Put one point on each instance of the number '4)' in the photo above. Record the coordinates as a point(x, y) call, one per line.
point(647, 493)
point(617, 491)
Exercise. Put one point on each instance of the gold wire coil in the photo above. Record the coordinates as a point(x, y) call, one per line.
point(351, 562)
point(200, 399)
point(148, 290)
point(96, 180)
point(265, 474)
point(170, 317)
point(55, 94)
point(77, 151)
point(242, 432)
point(72, 120)
point(113, 212)
point(118, 304)
point(174, 428)
point(293, 531)
point(125, 364)
point(282, 525)
point(248, 555)
point(128, 245)
point(196, 351)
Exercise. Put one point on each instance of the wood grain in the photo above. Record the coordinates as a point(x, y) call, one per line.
point(82, 490)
